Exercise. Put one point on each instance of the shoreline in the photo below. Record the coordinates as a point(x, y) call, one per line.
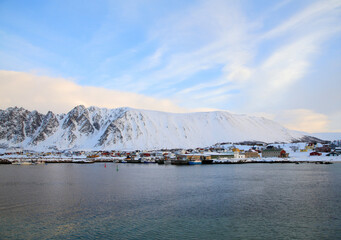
point(101, 160)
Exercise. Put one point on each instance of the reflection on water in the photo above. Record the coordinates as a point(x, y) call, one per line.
point(261, 201)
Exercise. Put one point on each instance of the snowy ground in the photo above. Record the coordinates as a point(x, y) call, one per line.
point(293, 156)
point(305, 156)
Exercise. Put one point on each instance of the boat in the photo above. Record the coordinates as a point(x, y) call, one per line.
point(167, 162)
point(82, 161)
point(207, 161)
point(147, 160)
point(16, 163)
point(160, 161)
point(19, 162)
point(27, 163)
point(5, 161)
point(179, 161)
point(130, 159)
point(194, 162)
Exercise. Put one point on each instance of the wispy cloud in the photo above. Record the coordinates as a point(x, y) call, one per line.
point(291, 61)
point(18, 53)
point(199, 38)
point(198, 54)
point(218, 35)
point(318, 15)
point(263, 83)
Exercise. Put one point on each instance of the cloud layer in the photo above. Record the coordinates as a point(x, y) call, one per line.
point(60, 95)
point(279, 58)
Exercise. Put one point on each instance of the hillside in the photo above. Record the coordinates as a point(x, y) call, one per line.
point(127, 128)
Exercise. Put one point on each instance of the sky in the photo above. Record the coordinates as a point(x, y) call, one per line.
point(276, 59)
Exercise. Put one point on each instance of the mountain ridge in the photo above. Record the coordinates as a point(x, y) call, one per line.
point(128, 129)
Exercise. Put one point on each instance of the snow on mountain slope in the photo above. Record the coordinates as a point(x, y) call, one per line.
point(126, 128)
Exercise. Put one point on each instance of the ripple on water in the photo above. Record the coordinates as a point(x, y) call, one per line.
point(263, 201)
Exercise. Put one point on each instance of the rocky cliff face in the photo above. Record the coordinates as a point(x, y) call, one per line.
point(126, 128)
point(48, 127)
point(17, 124)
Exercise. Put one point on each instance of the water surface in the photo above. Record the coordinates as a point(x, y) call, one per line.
point(149, 201)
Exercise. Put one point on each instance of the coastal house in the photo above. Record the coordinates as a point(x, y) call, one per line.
point(106, 154)
point(310, 146)
point(337, 149)
point(315, 154)
point(222, 155)
point(14, 150)
point(283, 154)
point(333, 154)
point(218, 149)
point(271, 151)
point(235, 149)
point(145, 154)
point(252, 154)
point(239, 154)
point(324, 148)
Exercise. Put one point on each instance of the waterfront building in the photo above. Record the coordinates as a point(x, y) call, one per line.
point(222, 155)
point(252, 154)
point(274, 152)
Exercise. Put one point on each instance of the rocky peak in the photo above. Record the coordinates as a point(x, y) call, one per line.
point(33, 122)
point(12, 124)
point(75, 116)
point(127, 128)
point(78, 112)
point(48, 127)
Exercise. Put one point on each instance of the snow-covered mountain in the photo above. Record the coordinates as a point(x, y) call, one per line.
point(127, 128)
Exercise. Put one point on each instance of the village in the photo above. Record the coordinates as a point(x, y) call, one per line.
point(226, 153)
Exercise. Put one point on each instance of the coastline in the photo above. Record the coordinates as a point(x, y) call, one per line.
point(219, 161)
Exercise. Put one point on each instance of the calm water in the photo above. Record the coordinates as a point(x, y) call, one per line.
point(141, 201)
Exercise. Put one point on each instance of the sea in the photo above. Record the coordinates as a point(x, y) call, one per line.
point(151, 201)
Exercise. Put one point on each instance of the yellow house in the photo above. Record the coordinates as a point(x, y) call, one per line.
point(310, 146)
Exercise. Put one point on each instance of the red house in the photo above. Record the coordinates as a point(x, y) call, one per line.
point(315, 154)
point(284, 154)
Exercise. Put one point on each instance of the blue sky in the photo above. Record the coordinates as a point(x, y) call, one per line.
point(277, 59)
